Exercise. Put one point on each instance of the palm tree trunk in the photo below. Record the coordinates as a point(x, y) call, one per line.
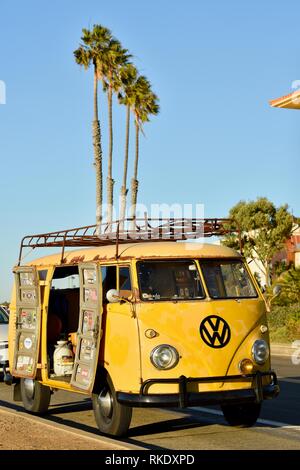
point(124, 189)
point(134, 180)
point(110, 181)
point(97, 156)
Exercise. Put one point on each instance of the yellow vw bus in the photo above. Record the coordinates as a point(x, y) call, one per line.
point(140, 321)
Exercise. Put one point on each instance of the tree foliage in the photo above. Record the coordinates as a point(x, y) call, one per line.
point(264, 230)
point(284, 322)
point(289, 281)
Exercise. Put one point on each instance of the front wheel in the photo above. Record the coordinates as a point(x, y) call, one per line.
point(35, 396)
point(243, 415)
point(111, 417)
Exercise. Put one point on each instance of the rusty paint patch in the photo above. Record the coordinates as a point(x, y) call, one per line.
point(77, 259)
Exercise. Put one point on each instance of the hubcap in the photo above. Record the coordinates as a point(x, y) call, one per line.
point(105, 402)
point(29, 387)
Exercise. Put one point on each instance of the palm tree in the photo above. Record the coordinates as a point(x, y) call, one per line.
point(115, 58)
point(92, 51)
point(145, 104)
point(128, 75)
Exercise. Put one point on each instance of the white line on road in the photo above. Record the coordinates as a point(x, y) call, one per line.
point(292, 381)
point(267, 422)
point(281, 355)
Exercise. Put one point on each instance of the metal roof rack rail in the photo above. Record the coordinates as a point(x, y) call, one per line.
point(126, 231)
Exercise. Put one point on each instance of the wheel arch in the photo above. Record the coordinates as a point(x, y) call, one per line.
point(101, 376)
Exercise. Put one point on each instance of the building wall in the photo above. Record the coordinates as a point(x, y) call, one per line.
point(289, 254)
point(257, 267)
point(297, 260)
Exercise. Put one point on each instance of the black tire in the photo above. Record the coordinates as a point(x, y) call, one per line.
point(111, 417)
point(243, 415)
point(35, 396)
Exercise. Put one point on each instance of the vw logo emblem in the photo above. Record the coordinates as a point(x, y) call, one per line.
point(215, 331)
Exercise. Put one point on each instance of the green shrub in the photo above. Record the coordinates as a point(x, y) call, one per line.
point(289, 281)
point(284, 322)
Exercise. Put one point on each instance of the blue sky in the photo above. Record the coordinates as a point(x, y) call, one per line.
point(214, 65)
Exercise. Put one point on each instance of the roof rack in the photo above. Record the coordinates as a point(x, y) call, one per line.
point(127, 231)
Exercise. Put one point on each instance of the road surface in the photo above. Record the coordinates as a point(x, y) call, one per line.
point(191, 429)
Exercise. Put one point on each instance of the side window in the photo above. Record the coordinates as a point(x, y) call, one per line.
point(109, 279)
point(124, 278)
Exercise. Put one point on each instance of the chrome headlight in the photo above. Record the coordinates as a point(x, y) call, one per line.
point(260, 351)
point(164, 357)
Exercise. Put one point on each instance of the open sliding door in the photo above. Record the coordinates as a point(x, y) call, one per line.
point(28, 322)
point(89, 330)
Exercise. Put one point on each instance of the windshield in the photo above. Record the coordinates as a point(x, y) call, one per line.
point(3, 317)
point(169, 280)
point(227, 279)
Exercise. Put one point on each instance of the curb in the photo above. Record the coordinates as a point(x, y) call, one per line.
point(112, 444)
point(283, 349)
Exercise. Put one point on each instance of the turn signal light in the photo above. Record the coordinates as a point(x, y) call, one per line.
point(246, 366)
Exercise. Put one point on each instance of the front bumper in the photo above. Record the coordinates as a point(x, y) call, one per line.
point(257, 393)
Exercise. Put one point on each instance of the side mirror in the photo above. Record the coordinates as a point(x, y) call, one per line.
point(276, 290)
point(113, 296)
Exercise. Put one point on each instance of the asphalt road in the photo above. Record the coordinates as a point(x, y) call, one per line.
point(200, 428)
